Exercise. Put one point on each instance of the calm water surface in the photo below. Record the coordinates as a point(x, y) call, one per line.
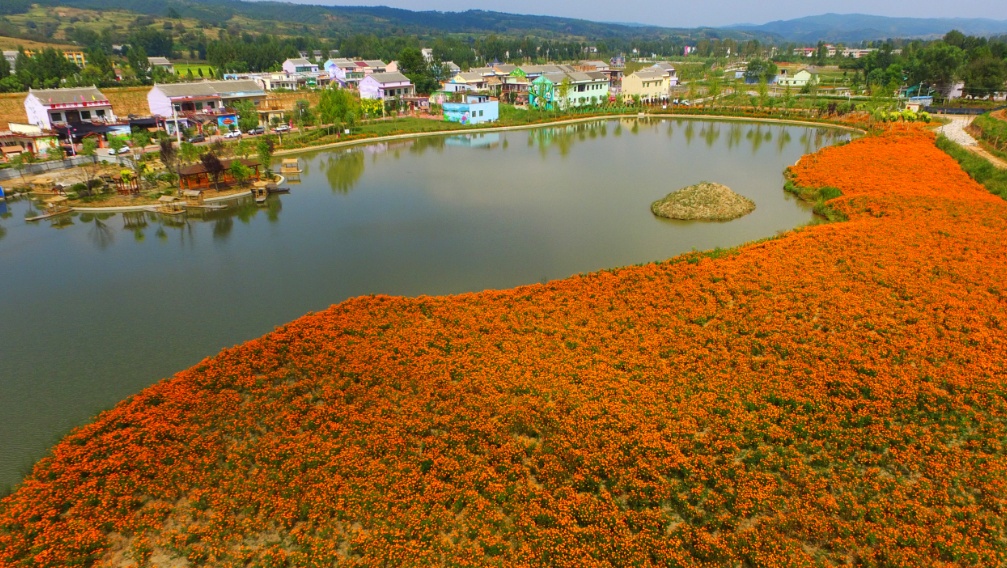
point(97, 307)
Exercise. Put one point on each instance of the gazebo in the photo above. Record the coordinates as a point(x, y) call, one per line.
point(196, 176)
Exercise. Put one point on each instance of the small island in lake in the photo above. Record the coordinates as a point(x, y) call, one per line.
point(703, 201)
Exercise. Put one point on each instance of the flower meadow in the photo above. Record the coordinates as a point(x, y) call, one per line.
point(834, 396)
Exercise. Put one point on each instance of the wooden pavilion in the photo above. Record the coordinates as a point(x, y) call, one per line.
point(196, 176)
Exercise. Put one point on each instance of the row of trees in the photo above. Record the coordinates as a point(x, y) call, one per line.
point(981, 63)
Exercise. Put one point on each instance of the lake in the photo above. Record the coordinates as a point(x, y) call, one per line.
point(95, 307)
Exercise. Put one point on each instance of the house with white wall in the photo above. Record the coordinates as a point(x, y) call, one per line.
point(46, 108)
point(207, 97)
point(473, 109)
point(299, 65)
point(386, 86)
point(798, 79)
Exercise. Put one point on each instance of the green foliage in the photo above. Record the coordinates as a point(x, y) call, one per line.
point(990, 130)
point(240, 172)
point(11, 7)
point(413, 65)
point(45, 70)
point(264, 148)
point(248, 53)
point(55, 152)
point(339, 107)
point(820, 196)
point(248, 116)
point(138, 62)
point(977, 167)
point(761, 70)
point(154, 43)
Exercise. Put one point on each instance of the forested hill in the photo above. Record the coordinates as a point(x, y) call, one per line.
point(854, 28)
point(344, 20)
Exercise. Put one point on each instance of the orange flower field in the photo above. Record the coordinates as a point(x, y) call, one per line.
point(835, 396)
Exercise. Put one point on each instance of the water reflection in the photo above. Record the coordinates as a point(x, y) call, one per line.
point(99, 233)
point(710, 134)
point(344, 169)
point(436, 143)
point(102, 227)
point(484, 141)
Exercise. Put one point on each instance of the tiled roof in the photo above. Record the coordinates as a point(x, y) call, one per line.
point(68, 96)
point(210, 88)
point(390, 78)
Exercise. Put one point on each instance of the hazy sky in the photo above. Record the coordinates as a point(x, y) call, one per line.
point(679, 13)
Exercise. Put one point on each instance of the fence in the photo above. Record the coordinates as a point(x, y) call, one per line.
point(49, 166)
point(961, 110)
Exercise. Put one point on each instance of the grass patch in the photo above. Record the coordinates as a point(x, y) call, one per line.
point(182, 70)
point(992, 132)
point(820, 196)
point(978, 168)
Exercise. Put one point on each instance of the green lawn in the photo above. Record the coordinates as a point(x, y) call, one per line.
point(182, 70)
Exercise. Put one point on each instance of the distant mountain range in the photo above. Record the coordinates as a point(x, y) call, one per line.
point(381, 20)
point(855, 28)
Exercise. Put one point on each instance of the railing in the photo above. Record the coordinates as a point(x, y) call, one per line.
point(961, 110)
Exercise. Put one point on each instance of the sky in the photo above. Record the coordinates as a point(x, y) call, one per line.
point(696, 13)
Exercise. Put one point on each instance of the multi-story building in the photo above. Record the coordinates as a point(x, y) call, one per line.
point(47, 108)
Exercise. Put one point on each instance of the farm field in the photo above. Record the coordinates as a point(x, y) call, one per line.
point(12, 43)
point(833, 396)
point(181, 69)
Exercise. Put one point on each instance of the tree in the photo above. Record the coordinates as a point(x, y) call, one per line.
point(116, 143)
point(940, 64)
point(302, 113)
point(140, 138)
point(240, 172)
point(55, 152)
point(89, 149)
point(264, 148)
point(168, 154)
point(21, 163)
point(823, 53)
point(248, 116)
point(241, 148)
point(138, 61)
point(984, 76)
point(563, 90)
point(713, 89)
point(371, 108)
point(413, 65)
point(338, 107)
point(4, 67)
point(760, 70)
point(213, 167)
point(188, 152)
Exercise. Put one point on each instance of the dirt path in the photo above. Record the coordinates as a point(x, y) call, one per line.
point(955, 131)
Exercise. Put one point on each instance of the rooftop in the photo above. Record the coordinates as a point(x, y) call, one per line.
point(68, 96)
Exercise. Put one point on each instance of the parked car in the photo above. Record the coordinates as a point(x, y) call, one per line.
point(282, 128)
point(197, 138)
point(123, 150)
point(255, 131)
point(233, 134)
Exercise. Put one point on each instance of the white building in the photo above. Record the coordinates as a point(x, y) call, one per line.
point(292, 66)
point(48, 107)
point(208, 97)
